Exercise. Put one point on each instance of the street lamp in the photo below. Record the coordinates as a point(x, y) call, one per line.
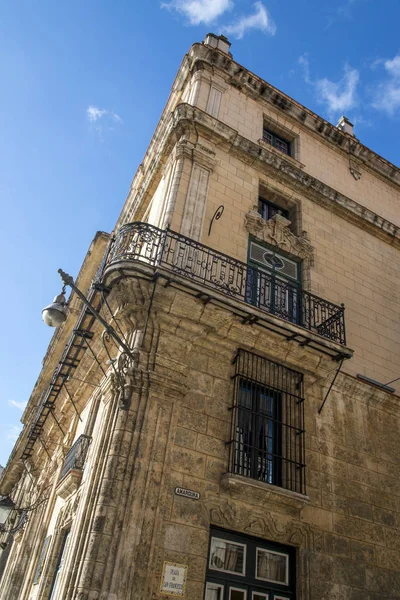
point(6, 508)
point(56, 313)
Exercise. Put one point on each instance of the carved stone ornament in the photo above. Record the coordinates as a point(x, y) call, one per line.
point(127, 377)
point(276, 232)
point(68, 511)
point(354, 170)
point(275, 527)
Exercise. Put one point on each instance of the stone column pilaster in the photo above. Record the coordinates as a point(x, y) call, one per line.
point(196, 200)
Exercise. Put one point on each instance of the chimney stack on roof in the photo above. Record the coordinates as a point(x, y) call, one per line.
point(218, 41)
point(345, 125)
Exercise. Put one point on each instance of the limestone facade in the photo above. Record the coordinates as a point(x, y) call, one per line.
point(148, 458)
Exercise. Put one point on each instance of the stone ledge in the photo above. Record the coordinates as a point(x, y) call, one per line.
point(240, 485)
point(294, 161)
point(69, 483)
point(134, 268)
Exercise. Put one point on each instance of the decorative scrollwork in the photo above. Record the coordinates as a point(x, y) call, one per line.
point(217, 215)
point(145, 243)
point(125, 373)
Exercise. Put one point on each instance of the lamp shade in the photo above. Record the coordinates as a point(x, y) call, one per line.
point(55, 313)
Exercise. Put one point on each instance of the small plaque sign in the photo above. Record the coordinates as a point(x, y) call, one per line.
point(173, 579)
point(187, 493)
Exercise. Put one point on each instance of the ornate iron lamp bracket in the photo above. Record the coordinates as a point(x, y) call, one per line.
point(217, 215)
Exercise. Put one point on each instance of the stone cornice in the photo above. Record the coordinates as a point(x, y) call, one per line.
point(186, 117)
point(204, 57)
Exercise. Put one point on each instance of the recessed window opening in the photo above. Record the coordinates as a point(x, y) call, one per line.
point(267, 569)
point(267, 433)
point(268, 209)
point(276, 141)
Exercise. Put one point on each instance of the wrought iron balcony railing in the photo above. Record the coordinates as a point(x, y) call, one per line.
point(76, 455)
point(147, 244)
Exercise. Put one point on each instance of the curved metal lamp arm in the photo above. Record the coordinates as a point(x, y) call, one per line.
point(68, 280)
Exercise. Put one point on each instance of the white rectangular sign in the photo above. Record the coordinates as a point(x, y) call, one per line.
point(187, 493)
point(173, 579)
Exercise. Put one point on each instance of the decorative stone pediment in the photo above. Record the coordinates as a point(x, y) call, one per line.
point(276, 232)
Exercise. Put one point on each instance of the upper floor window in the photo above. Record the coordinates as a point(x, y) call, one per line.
point(246, 568)
point(268, 209)
point(54, 591)
point(277, 141)
point(267, 441)
point(273, 282)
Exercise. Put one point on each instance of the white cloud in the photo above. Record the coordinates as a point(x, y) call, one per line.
point(94, 113)
point(393, 66)
point(260, 19)
point(342, 12)
point(199, 11)
point(13, 432)
point(303, 61)
point(338, 97)
point(102, 119)
point(116, 117)
point(387, 94)
point(19, 405)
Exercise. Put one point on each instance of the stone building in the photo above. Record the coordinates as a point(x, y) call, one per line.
point(244, 445)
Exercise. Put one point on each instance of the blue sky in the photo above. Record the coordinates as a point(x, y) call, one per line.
point(83, 86)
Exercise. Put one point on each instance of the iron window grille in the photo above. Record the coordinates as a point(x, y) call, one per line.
point(76, 455)
point(277, 142)
point(240, 567)
point(268, 209)
point(267, 433)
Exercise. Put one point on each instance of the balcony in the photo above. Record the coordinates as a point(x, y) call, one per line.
point(146, 244)
point(71, 472)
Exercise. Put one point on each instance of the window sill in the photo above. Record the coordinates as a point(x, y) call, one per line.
point(240, 485)
point(292, 160)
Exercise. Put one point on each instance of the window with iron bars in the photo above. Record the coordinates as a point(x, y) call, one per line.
point(267, 435)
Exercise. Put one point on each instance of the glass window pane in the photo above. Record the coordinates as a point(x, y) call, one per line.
point(236, 594)
point(227, 556)
point(282, 145)
point(214, 591)
point(258, 596)
point(268, 137)
point(272, 566)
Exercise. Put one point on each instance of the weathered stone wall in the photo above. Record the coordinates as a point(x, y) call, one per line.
point(350, 265)
point(346, 531)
